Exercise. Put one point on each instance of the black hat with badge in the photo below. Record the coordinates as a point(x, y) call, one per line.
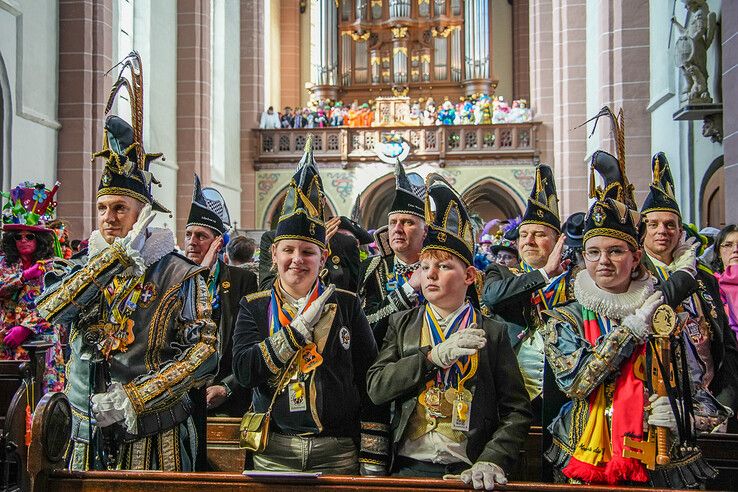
point(409, 193)
point(208, 209)
point(614, 212)
point(661, 197)
point(543, 203)
point(573, 229)
point(449, 226)
point(126, 170)
point(302, 210)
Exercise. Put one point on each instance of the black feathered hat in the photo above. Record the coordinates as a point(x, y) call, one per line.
point(127, 164)
point(543, 204)
point(449, 226)
point(409, 193)
point(302, 211)
point(661, 198)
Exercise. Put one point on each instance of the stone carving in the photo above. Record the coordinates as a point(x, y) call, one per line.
point(691, 50)
point(712, 127)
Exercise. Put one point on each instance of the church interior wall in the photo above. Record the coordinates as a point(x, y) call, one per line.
point(272, 55)
point(343, 186)
point(689, 153)
point(155, 37)
point(29, 48)
point(225, 114)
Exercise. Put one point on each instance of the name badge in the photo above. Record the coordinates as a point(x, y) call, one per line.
point(461, 415)
point(298, 403)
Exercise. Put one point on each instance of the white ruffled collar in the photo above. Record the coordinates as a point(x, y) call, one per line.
point(613, 306)
point(159, 242)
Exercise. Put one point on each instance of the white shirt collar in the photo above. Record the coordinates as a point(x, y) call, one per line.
point(444, 321)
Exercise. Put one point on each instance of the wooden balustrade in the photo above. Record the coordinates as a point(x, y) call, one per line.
point(440, 143)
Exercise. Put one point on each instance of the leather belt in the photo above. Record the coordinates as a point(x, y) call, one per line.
point(156, 422)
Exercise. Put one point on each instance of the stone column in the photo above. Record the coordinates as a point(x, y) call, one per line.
point(624, 52)
point(569, 89)
point(521, 53)
point(477, 49)
point(730, 106)
point(541, 74)
point(193, 101)
point(252, 103)
point(85, 54)
point(324, 55)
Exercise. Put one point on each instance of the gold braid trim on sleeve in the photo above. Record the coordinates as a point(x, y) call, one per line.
point(174, 379)
point(72, 286)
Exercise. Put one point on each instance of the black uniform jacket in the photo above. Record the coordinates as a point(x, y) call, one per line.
point(507, 295)
point(234, 283)
point(500, 413)
point(339, 383)
point(723, 347)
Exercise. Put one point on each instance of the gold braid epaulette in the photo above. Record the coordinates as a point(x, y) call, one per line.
point(258, 295)
point(73, 285)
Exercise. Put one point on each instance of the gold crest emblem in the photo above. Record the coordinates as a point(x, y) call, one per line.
point(539, 213)
point(312, 228)
point(442, 237)
point(598, 216)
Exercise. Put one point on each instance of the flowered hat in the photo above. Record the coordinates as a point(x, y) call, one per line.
point(29, 207)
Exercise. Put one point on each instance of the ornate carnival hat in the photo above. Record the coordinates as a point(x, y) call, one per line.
point(302, 211)
point(409, 193)
point(208, 209)
point(661, 198)
point(30, 207)
point(127, 164)
point(543, 204)
point(614, 212)
point(449, 226)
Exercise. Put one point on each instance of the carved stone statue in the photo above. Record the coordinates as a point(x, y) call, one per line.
point(691, 50)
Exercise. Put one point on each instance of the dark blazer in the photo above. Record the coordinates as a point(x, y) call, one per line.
point(339, 383)
point(234, 284)
point(342, 264)
point(500, 414)
point(723, 346)
point(507, 295)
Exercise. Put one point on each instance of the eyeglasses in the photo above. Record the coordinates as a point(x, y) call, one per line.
point(614, 254)
point(25, 236)
point(728, 245)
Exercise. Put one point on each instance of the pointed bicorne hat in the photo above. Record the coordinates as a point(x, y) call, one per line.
point(409, 193)
point(302, 210)
point(661, 197)
point(208, 209)
point(126, 170)
point(614, 212)
point(449, 226)
point(543, 204)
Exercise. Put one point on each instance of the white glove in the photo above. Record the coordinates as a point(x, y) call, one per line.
point(372, 470)
point(639, 323)
point(685, 256)
point(484, 475)
point(133, 242)
point(114, 406)
point(305, 321)
point(461, 343)
point(661, 413)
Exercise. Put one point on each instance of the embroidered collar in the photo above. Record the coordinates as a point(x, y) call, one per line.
point(159, 242)
point(613, 306)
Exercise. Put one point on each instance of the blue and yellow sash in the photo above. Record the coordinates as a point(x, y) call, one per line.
point(462, 366)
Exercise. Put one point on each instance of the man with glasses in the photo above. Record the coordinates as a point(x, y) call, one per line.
point(689, 288)
point(540, 282)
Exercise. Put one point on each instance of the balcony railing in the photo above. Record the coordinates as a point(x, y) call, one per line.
point(440, 143)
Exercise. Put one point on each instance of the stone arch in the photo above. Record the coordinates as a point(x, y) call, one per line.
point(376, 201)
point(5, 127)
point(492, 198)
point(271, 215)
point(712, 195)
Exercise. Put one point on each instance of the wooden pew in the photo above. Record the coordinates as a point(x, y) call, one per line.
point(65, 481)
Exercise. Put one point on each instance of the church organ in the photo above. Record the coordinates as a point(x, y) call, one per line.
point(418, 48)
